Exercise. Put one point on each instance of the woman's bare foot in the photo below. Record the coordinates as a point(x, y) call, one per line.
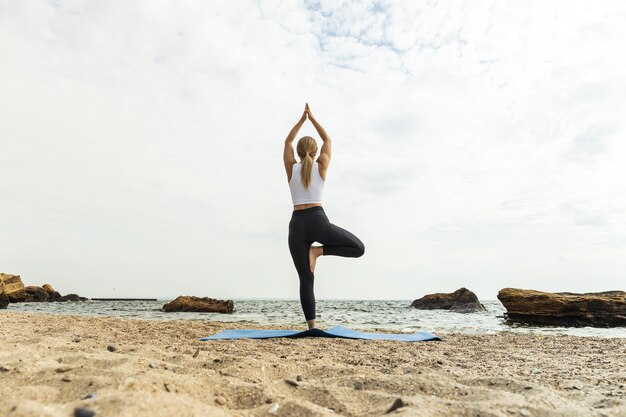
point(314, 253)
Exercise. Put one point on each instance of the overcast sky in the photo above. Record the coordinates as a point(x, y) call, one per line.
point(475, 143)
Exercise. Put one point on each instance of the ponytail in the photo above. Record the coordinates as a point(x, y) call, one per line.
point(307, 148)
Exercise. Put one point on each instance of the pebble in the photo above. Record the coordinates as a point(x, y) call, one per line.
point(268, 401)
point(396, 404)
point(153, 366)
point(220, 400)
point(273, 409)
point(84, 412)
point(111, 348)
point(63, 369)
point(66, 379)
point(292, 382)
point(89, 396)
point(4, 368)
point(298, 377)
point(358, 385)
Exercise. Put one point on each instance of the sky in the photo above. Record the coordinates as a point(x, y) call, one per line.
point(476, 144)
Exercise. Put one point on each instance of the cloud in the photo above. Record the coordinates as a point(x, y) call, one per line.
point(474, 142)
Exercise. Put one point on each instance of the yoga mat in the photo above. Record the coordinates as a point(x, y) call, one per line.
point(337, 331)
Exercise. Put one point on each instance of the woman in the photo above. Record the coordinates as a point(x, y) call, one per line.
point(308, 221)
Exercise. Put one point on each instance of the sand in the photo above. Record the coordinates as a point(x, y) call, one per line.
point(49, 364)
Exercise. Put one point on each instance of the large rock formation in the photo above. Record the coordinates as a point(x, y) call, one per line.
point(460, 301)
point(13, 287)
point(197, 304)
point(602, 309)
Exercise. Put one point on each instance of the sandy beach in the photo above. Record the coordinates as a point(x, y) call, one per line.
point(52, 364)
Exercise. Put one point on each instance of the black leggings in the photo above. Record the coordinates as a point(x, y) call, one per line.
point(308, 226)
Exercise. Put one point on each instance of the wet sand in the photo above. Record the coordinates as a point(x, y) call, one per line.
point(49, 364)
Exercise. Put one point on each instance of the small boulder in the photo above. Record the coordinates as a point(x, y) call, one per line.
point(601, 309)
point(48, 288)
point(55, 296)
point(52, 293)
point(460, 301)
point(201, 305)
point(36, 294)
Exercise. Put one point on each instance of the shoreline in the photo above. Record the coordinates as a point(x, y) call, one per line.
point(140, 367)
point(436, 321)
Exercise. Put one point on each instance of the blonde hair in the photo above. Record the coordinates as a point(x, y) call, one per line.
point(306, 148)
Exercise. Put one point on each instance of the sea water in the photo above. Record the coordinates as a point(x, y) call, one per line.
point(366, 314)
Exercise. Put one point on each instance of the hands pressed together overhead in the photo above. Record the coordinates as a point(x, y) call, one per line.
point(307, 113)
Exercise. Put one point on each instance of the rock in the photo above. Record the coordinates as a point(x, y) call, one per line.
point(292, 382)
point(111, 348)
point(4, 300)
point(72, 297)
point(298, 378)
point(358, 385)
point(84, 412)
point(396, 404)
point(602, 309)
point(36, 294)
point(460, 301)
point(197, 304)
point(13, 287)
point(55, 296)
point(48, 288)
point(220, 400)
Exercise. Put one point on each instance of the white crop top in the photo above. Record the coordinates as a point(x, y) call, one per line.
point(299, 194)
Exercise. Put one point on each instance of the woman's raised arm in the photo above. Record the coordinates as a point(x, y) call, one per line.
point(326, 150)
point(289, 157)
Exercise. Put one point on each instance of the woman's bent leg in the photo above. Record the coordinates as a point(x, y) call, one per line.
point(339, 242)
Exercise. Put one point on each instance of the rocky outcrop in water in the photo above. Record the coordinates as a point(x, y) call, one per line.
point(13, 287)
point(200, 305)
point(460, 301)
point(602, 309)
point(14, 290)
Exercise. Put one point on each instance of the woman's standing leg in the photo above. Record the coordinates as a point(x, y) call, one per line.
point(299, 247)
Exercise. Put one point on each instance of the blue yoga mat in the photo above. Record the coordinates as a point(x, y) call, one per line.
point(337, 331)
